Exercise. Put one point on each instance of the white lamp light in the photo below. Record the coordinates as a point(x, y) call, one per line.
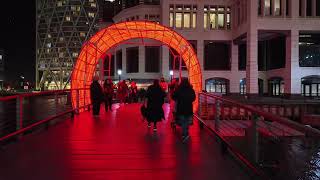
point(171, 73)
point(119, 72)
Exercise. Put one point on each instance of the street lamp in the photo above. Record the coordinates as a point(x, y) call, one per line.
point(171, 74)
point(119, 73)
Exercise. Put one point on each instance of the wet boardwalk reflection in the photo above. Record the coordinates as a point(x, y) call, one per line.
point(118, 145)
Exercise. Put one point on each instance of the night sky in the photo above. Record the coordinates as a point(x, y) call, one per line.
point(17, 38)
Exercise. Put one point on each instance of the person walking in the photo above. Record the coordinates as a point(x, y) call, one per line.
point(96, 95)
point(163, 85)
point(122, 91)
point(154, 100)
point(184, 96)
point(108, 94)
point(133, 92)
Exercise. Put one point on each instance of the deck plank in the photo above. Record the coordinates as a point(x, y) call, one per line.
point(117, 145)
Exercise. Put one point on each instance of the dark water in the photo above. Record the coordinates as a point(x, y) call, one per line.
point(296, 158)
point(34, 109)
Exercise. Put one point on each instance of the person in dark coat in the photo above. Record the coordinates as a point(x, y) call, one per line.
point(155, 99)
point(108, 94)
point(96, 95)
point(184, 97)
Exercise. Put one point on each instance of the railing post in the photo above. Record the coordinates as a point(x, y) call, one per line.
point(217, 118)
point(19, 112)
point(255, 138)
point(77, 101)
point(56, 103)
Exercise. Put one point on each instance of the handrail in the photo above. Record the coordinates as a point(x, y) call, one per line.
point(18, 116)
point(235, 151)
point(269, 116)
point(251, 133)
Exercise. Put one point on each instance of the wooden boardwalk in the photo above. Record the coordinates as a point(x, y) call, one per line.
point(117, 145)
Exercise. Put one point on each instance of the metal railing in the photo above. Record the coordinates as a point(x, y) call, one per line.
point(21, 113)
point(273, 147)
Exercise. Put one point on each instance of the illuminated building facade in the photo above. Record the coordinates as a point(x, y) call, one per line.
point(62, 27)
point(244, 46)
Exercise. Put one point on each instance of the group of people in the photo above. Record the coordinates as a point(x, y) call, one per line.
point(106, 93)
point(181, 96)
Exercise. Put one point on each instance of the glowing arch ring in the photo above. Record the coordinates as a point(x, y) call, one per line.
point(105, 39)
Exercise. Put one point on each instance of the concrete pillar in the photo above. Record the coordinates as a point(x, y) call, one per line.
point(272, 8)
point(292, 79)
point(283, 8)
point(165, 62)
point(124, 63)
point(304, 8)
point(294, 8)
point(200, 15)
point(314, 8)
point(235, 80)
point(262, 7)
point(252, 48)
point(200, 54)
point(165, 12)
point(142, 59)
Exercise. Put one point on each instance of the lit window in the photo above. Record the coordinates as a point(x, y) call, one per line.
point(93, 5)
point(74, 54)
point(171, 19)
point(49, 45)
point(194, 7)
point(91, 14)
point(221, 21)
point(82, 34)
point(59, 3)
point(61, 38)
point(205, 20)
point(179, 7)
point(171, 7)
point(49, 36)
point(228, 21)
point(68, 18)
point(187, 8)
point(212, 21)
point(267, 7)
point(178, 20)
point(277, 6)
point(1, 57)
point(194, 20)
point(61, 55)
point(186, 20)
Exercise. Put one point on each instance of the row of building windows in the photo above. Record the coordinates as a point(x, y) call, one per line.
point(271, 55)
point(310, 86)
point(152, 59)
point(185, 16)
point(150, 17)
point(273, 7)
point(307, 8)
point(217, 17)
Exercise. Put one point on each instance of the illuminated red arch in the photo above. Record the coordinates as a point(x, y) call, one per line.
point(108, 37)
